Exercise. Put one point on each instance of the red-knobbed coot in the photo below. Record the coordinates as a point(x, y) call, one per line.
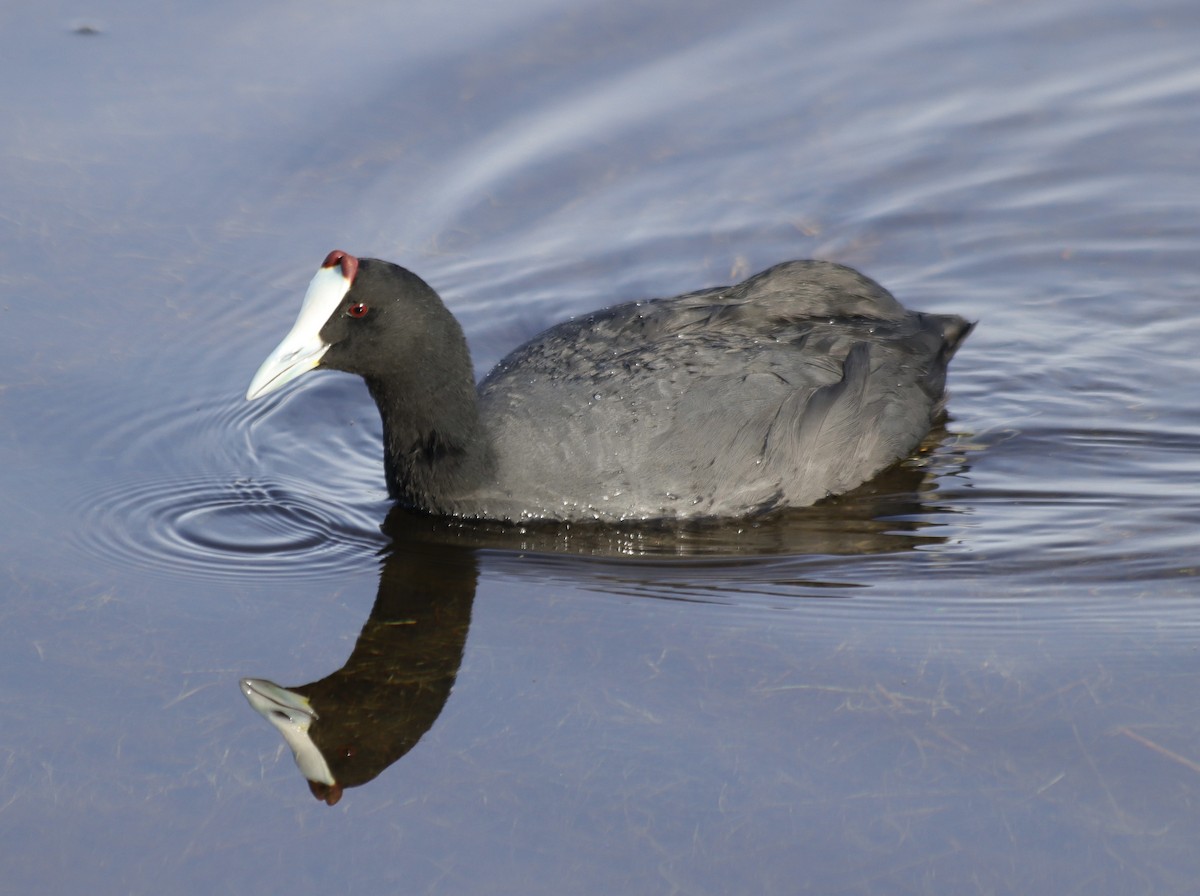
point(796, 384)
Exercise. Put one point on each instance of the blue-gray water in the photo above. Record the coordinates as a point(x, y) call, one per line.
point(977, 676)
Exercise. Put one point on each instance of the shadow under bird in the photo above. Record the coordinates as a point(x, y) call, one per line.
point(799, 383)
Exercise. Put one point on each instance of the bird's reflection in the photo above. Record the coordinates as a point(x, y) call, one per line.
point(349, 726)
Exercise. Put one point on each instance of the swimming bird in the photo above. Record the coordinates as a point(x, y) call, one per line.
point(796, 384)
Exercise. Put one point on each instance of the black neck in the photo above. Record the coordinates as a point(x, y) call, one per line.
point(434, 447)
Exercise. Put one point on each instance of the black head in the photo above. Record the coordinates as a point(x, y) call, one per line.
point(388, 321)
point(363, 316)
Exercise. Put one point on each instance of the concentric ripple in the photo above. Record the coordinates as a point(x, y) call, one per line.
point(206, 528)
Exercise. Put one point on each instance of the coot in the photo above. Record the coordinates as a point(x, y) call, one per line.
point(799, 383)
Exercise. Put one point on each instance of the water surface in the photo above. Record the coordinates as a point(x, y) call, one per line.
point(975, 674)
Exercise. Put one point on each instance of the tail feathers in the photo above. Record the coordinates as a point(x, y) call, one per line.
point(954, 331)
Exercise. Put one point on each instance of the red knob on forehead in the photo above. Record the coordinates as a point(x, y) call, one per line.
point(347, 262)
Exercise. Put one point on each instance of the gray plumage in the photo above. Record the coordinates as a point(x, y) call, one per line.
point(799, 383)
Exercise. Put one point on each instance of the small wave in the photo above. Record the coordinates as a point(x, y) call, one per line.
point(213, 529)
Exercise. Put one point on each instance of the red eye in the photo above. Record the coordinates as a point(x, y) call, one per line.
point(359, 310)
